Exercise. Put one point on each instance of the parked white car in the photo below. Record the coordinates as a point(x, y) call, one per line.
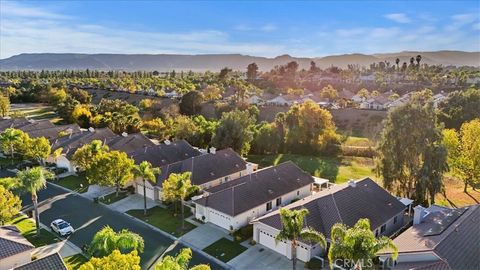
point(61, 227)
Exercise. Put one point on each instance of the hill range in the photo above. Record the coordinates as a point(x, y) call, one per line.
point(215, 62)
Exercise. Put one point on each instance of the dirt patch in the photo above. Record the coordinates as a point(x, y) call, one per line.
point(455, 197)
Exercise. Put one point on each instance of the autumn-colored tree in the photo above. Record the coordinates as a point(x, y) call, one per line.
point(10, 205)
point(115, 260)
point(212, 92)
point(4, 105)
point(363, 93)
point(112, 168)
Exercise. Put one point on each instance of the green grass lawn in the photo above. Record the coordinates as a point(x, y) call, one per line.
point(27, 228)
point(76, 183)
point(74, 262)
point(112, 197)
point(164, 220)
point(224, 249)
point(339, 169)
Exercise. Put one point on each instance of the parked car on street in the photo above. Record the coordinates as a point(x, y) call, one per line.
point(61, 227)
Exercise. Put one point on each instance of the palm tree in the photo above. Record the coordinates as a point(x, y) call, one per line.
point(106, 240)
point(293, 230)
point(184, 188)
point(357, 244)
point(179, 262)
point(397, 61)
point(146, 172)
point(9, 138)
point(32, 180)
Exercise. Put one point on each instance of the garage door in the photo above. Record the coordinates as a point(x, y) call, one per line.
point(150, 191)
point(268, 240)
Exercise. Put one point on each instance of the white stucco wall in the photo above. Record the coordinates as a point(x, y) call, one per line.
point(225, 221)
point(62, 162)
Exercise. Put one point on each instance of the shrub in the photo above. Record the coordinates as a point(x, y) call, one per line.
point(358, 151)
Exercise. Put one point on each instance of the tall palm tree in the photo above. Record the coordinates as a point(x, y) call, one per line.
point(397, 61)
point(107, 240)
point(9, 138)
point(357, 244)
point(33, 180)
point(146, 172)
point(293, 231)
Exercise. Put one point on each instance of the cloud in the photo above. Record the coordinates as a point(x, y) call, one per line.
point(398, 17)
point(269, 27)
point(352, 32)
point(460, 20)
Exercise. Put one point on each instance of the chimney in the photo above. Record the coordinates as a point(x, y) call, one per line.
point(352, 183)
point(418, 214)
point(91, 129)
point(213, 150)
point(124, 134)
point(249, 168)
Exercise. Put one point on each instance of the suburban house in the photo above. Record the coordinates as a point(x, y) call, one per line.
point(282, 100)
point(50, 262)
point(376, 103)
point(55, 132)
point(71, 143)
point(208, 170)
point(15, 250)
point(25, 124)
point(234, 204)
point(256, 100)
point(129, 142)
point(345, 203)
point(165, 153)
point(440, 238)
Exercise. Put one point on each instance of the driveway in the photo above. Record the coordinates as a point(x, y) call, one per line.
point(131, 202)
point(88, 218)
point(204, 235)
point(260, 257)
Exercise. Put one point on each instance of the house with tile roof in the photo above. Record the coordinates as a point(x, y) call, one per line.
point(208, 170)
point(440, 238)
point(50, 262)
point(234, 204)
point(346, 203)
point(15, 250)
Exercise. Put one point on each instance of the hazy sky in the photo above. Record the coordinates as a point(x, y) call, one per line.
point(250, 27)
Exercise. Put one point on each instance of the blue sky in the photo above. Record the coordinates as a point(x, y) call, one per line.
point(261, 28)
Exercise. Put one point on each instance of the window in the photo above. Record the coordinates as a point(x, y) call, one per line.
point(269, 206)
point(279, 201)
point(383, 228)
point(395, 220)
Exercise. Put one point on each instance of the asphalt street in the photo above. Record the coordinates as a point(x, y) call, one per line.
point(87, 218)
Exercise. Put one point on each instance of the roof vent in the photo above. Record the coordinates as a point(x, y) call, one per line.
point(352, 183)
point(167, 142)
point(213, 150)
point(124, 134)
point(31, 121)
point(270, 191)
point(91, 129)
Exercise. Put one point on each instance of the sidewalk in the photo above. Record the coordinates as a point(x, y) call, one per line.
point(131, 202)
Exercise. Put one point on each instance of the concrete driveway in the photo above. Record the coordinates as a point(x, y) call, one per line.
point(131, 202)
point(254, 258)
point(204, 235)
point(87, 218)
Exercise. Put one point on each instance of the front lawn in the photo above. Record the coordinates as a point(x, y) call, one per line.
point(74, 262)
point(336, 169)
point(164, 220)
point(27, 228)
point(112, 197)
point(225, 250)
point(76, 183)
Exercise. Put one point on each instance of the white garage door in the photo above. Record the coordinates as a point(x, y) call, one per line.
point(268, 240)
point(219, 219)
point(150, 191)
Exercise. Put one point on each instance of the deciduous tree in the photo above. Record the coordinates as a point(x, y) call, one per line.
point(85, 155)
point(4, 105)
point(112, 168)
point(179, 262)
point(115, 260)
point(234, 130)
point(178, 187)
point(10, 205)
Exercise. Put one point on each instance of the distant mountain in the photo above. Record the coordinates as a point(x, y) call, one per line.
point(214, 62)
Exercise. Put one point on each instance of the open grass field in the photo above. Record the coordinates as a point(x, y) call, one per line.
point(455, 197)
point(35, 111)
point(74, 262)
point(112, 197)
point(164, 220)
point(27, 229)
point(225, 250)
point(336, 169)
